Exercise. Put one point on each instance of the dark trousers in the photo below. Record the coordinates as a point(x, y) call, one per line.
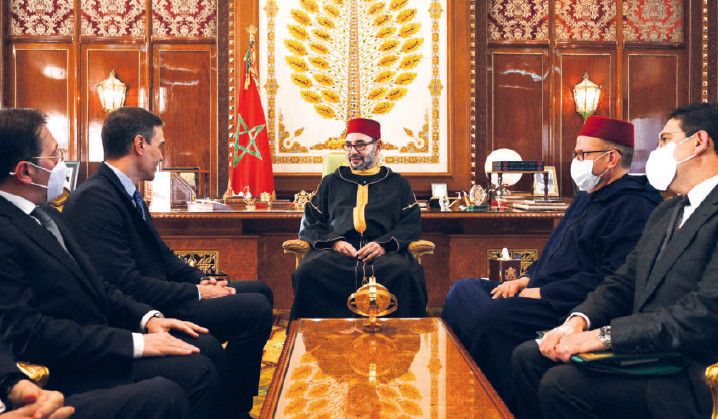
point(490, 328)
point(155, 398)
point(243, 320)
point(557, 390)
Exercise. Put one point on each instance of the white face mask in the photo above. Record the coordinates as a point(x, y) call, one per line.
point(56, 182)
point(661, 165)
point(582, 173)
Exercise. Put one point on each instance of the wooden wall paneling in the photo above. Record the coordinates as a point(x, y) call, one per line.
point(518, 105)
point(185, 97)
point(571, 64)
point(654, 87)
point(42, 77)
point(222, 147)
point(98, 60)
point(437, 269)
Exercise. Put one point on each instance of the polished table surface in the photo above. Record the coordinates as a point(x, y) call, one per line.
point(330, 368)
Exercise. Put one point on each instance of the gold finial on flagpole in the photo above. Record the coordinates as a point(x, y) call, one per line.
point(251, 29)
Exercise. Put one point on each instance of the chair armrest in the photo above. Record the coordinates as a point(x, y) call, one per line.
point(37, 373)
point(420, 248)
point(296, 247)
point(712, 380)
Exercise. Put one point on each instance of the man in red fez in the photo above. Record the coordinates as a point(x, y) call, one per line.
point(359, 224)
point(599, 228)
point(664, 298)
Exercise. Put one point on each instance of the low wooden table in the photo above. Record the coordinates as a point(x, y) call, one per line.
point(330, 368)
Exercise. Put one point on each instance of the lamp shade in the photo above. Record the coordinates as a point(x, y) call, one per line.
point(586, 95)
point(112, 93)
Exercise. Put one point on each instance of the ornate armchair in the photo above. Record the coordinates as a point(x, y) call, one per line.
point(37, 373)
point(299, 248)
point(712, 380)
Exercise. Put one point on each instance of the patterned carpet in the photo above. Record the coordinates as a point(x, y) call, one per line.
point(270, 358)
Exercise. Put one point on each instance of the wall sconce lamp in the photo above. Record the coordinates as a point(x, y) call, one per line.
point(586, 95)
point(112, 93)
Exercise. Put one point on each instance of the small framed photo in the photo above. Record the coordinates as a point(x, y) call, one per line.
point(438, 190)
point(552, 184)
point(71, 171)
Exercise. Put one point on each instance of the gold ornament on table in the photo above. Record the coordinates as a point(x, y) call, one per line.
point(301, 199)
point(248, 199)
point(372, 300)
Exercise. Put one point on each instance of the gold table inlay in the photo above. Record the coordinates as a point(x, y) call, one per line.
point(330, 368)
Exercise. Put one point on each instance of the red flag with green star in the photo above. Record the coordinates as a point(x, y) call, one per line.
point(249, 158)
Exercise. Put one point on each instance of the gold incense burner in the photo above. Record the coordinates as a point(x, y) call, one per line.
point(372, 300)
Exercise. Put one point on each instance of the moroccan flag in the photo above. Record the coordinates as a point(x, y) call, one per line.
point(249, 159)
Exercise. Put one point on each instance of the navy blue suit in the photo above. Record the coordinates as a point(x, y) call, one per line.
point(593, 238)
point(129, 253)
point(55, 310)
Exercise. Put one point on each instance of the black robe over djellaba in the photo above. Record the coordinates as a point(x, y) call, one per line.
point(359, 208)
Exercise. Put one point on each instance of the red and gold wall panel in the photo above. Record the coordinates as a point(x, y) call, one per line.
point(42, 17)
point(518, 20)
point(653, 20)
point(585, 20)
point(113, 18)
point(183, 18)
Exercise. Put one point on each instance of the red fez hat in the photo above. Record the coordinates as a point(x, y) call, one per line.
point(364, 126)
point(609, 129)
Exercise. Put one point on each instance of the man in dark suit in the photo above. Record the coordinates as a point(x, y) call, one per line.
point(114, 226)
point(153, 398)
point(663, 299)
point(54, 307)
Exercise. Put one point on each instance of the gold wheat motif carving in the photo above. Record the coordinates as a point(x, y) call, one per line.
point(353, 58)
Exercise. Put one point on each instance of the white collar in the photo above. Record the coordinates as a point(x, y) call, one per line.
point(25, 206)
point(124, 180)
point(699, 192)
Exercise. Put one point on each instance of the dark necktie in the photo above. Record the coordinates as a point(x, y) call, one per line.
point(676, 220)
point(49, 224)
point(139, 203)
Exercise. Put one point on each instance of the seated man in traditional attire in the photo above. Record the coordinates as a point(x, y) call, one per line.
point(600, 227)
point(115, 227)
point(57, 311)
point(664, 298)
point(359, 224)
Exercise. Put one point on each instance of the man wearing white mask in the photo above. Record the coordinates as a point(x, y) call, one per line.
point(663, 299)
point(600, 227)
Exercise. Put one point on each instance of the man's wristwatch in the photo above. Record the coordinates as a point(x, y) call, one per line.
point(604, 335)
